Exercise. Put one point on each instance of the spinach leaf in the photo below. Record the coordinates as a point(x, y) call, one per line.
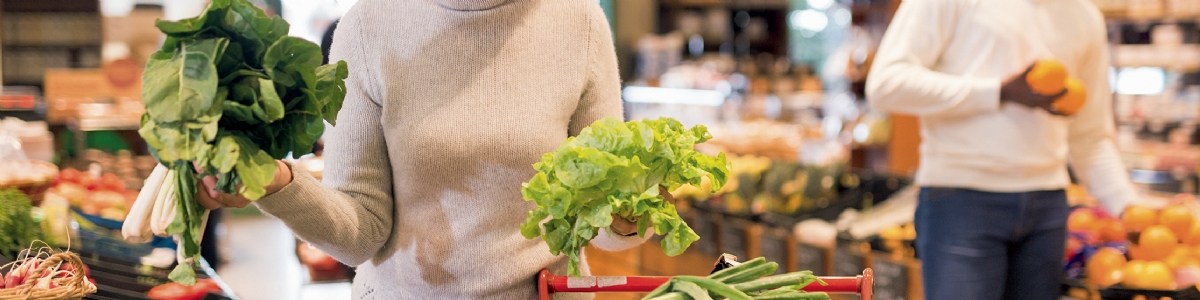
point(184, 86)
point(331, 88)
point(292, 62)
point(229, 91)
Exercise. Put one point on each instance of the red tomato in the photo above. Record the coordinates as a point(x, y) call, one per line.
point(69, 175)
point(207, 285)
point(175, 291)
point(111, 182)
point(317, 259)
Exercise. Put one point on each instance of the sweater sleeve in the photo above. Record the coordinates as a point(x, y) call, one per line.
point(351, 217)
point(601, 98)
point(1093, 152)
point(902, 78)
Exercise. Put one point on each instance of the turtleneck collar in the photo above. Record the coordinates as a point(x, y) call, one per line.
point(470, 5)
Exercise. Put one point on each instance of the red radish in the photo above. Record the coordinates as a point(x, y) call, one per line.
point(2, 283)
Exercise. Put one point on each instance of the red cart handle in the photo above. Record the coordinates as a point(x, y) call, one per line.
point(863, 285)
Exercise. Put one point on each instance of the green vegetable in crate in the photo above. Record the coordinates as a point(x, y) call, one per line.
point(229, 92)
point(615, 168)
point(745, 281)
point(17, 228)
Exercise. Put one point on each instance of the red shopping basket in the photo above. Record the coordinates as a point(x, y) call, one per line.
point(548, 283)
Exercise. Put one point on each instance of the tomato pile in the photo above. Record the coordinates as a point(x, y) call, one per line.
point(105, 195)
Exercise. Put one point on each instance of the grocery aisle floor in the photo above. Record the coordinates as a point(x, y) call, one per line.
point(260, 263)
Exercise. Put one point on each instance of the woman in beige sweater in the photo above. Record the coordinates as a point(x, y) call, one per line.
point(449, 103)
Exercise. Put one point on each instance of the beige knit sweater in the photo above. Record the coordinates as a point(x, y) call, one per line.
point(449, 103)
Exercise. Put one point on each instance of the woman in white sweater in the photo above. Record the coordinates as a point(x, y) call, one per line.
point(449, 103)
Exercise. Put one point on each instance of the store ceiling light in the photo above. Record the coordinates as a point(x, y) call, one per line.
point(116, 8)
point(655, 95)
point(841, 16)
point(820, 4)
point(1141, 81)
point(809, 20)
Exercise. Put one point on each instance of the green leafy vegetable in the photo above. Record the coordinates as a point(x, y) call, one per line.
point(17, 228)
point(617, 168)
point(229, 92)
point(748, 280)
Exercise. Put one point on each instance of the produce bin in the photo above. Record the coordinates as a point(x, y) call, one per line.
point(862, 285)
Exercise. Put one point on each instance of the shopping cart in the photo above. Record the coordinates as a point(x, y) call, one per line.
point(548, 283)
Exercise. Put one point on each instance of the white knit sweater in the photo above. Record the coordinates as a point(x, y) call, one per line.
point(449, 104)
point(944, 61)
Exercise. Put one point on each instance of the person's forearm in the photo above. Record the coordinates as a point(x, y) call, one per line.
point(351, 228)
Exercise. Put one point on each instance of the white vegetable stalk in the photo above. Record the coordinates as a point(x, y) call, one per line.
point(154, 210)
point(137, 225)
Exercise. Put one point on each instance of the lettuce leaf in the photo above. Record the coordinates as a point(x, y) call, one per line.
point(614, 168)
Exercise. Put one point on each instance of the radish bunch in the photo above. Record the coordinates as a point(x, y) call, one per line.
point(41, 270)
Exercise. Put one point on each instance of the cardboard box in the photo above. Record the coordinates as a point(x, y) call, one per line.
point(66, 89)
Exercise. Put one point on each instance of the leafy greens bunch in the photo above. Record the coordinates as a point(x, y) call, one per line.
point(17, 228)
point(229, 92)
point(615, 168)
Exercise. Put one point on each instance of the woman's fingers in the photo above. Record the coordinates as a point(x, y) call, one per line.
point(207, 201)
point(234, 200)
point(210, 186)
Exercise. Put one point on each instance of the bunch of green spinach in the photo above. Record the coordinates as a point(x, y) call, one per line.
point(615, 168)
point(229, 92)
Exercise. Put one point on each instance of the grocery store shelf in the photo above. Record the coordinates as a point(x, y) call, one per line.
point(102, 124)
point(49, 46)
point(1182, 58)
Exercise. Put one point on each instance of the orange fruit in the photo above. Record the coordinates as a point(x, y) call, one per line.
point(1193, 235)
point(1148, 275)
point(1137, 218)
point(892, 233)
point(1071, 102)
point(1048, 77)
point(1083, 220)
point(1112, 231)
point(1180, 257)
point(1104, 267)
point(1157, 242)
point(1177, 218)
point(1134, 273)
point(1158, 276)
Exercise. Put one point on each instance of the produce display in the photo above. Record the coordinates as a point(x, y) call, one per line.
point(30, 176)
point(17, 229)
point(615, 169)
point(1049, 77)
point(227, 94)
point(104, 195)
point(45, 274)
point(759, 185)
point(750, 280)
point(773, 140)
point(1146, 248)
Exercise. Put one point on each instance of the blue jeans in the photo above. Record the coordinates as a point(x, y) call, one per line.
point(981, 245)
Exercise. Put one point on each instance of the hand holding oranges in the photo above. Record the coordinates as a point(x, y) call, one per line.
point(1049, 77)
